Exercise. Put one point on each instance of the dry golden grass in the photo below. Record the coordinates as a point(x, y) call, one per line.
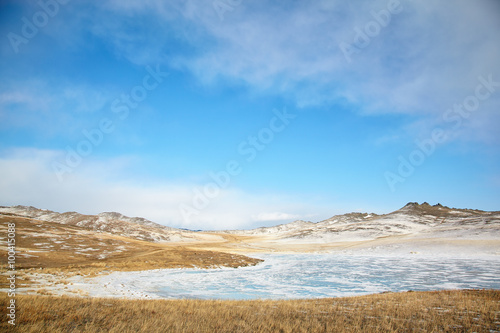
point(443, 311)
point(62, 250)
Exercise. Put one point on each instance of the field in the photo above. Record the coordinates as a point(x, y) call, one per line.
point(444, 311)
point(48, 253)
point(64, 250)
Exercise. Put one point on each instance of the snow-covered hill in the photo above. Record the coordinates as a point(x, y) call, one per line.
point(111, 222)
point(413, 220)
point(422, 220)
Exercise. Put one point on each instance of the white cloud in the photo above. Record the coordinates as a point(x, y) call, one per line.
point(428, 55)
point(276, 216)
point(99, 186)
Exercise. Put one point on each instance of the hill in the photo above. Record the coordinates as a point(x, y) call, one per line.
point(52, 246)
point(412, 219)
point(115, 223)
point(415, 228)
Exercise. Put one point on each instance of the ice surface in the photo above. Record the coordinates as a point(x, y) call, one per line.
point(289, 276)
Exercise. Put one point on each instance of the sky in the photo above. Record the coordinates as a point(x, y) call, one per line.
point(235, 114)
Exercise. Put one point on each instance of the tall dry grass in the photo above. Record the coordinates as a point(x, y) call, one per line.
point(443, 311)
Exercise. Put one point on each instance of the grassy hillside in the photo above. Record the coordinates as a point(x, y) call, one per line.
point(46, 247)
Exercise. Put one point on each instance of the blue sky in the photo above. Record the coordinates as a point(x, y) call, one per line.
point(237, 114)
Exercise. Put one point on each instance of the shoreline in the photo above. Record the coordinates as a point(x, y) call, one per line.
point(141, 284)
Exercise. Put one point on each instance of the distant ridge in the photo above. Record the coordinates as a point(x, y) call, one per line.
point(412, 219)
point(111, 222)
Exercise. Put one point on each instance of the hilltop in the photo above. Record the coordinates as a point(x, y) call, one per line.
point(115, 223)
point(414, 228)
point(412, 219)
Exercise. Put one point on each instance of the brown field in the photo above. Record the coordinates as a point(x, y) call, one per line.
point(63, 250)
point(444, 311)
point(58, 251)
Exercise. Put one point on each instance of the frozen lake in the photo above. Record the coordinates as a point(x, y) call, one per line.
point(285, 276)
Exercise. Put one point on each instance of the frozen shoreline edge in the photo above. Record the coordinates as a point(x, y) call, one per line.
point(111, 286)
